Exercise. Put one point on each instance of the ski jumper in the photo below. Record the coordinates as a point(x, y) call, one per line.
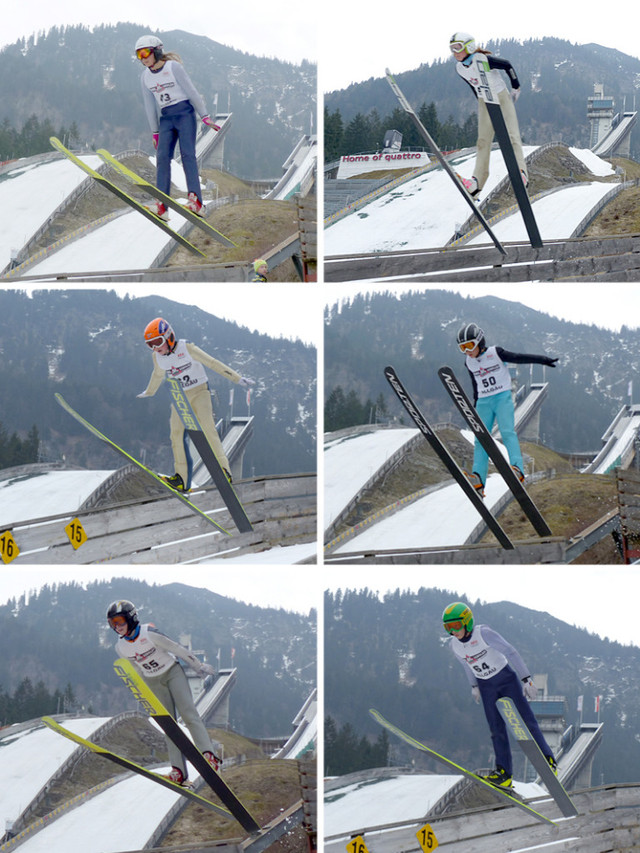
point(186, 363)
point(495, 667)
point(492, 398)
point(468, 70)
point(154, 654)
point(171, 102)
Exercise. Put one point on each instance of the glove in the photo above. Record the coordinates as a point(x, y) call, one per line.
point(156, 138)
point(530, 690)
point(245, 382)
point(475, 692)
point(206, 669)
point(551, 362)
point(515, 94)
point(207, 120)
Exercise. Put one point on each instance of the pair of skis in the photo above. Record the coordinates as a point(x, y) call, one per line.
point(483, 435)
point(554, 786)
point(106, 440)
point(148, 188)
point(227, 492)
point(232, 809)
point(502, 135)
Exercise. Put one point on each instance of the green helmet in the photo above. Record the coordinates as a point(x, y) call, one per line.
point(457, 615)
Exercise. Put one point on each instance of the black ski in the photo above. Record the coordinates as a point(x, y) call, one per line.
point(201, 443)
point(502, 135)
point(519, 730)
point(422, 130)
point(464, 404)
point(153, 706)
point(127, 764)
point(513, 799)
point(446, 458)
point(95, 431)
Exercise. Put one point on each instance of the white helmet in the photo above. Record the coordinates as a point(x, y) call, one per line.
point(150, 41)
point(462, 41)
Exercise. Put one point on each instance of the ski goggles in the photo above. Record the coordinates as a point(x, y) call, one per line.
point(458, 46)
point(144, 52)
point(155, 343)
point(467, 346)
point(117, 621)
point(450, 627)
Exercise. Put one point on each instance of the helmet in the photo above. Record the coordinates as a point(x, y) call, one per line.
point(470, 333)
point(157, 332)
point(150, 41)
point(259, 263)
point(126, 609)
point(457, 615)
point(462, 41)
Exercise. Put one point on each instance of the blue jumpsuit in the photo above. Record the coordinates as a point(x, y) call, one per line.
point(497, 406)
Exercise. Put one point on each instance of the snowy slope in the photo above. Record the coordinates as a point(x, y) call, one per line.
point(376, 802)
point(30, 757)
point(51, 493)
point(425, 212)
point(28, 197)
point(351, 461)
point(444, 517)
point(123, 817)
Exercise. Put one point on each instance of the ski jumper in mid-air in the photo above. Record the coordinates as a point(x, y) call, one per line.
point(467, 53)
point(492, 398)
point(186, 362)
point(155, 656)
point(495, 670)
point(171, 102)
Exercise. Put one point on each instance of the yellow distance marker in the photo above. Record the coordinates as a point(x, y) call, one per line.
point(427, 838)
point(8, 548)
point(76, 533)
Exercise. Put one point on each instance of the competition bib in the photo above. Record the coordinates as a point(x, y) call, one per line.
point(483, 660)
point(180, 366)
point(490, 373)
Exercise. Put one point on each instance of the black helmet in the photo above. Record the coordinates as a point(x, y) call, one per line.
point(470, 333)
point(126, 609)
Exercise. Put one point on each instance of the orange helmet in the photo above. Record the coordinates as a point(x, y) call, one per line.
point(157, 332)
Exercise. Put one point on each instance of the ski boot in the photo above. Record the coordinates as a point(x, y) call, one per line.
point(227, 475)
point(518, 473)
point(176, 482)
point(553, 764)
point(471, 186)
point(158, 209)
point(176, 775)
point(499, 778)
point(525, 179)
point(213, 760)
point(476, 482)
point(194, 204)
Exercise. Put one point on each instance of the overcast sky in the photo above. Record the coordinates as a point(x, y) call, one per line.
point(609, 305)
point(364, 38)
point(588, 597)
point(291, 587)
point(280, 28)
